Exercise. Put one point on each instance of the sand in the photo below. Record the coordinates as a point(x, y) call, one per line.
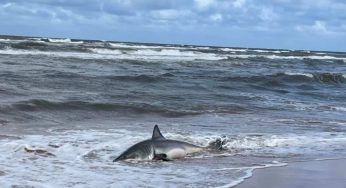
point(314, 174)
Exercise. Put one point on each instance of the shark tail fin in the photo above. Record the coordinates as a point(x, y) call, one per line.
point(157, 134)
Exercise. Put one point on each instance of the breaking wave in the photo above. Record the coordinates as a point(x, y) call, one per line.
point(117, 54)
point(134, 108)
point(289, 77)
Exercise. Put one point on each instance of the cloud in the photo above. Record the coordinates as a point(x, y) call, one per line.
point(170, 14)
point(239, 3)
point(216, 17)
point(204, 4)
point(186, 19)
point(268, 14)
point(319, 27)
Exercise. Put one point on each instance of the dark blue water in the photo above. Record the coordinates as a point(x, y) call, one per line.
point(96, 98)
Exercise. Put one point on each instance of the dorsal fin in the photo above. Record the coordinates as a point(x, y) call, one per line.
point(156, 133)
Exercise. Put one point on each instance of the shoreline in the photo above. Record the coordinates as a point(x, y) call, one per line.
point(317, 174)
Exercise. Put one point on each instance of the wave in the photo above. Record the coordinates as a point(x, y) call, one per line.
point(125, 107)
point(177, 54)
point(115, 54)
point(142, 52)
point(106, 51)
point(27, 45)
point(233, 50)
point(141, 78)
point(299, 74)
point(270, 51)
point(142, 46)
point(11, 51)
point(290, 77)
point(330, 77)
point(312, 57)
point(74, 154)
point(57, 40)
point(285, 143)
point(5, 40)
point(67, 40)
point(9, 137)
point(132, 108)
point(173, 54)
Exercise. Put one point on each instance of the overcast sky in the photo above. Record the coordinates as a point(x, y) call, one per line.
point(290, 24)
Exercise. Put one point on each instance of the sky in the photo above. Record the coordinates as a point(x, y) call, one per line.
point(284, 24)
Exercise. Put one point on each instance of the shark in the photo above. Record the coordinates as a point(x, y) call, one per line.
point(159, 148)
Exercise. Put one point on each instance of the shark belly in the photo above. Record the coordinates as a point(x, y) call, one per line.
point(176, 153)
point(172, 149)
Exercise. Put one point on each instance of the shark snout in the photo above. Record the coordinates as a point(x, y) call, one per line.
point(121, 157)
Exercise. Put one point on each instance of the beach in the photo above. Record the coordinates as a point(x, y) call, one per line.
point(317, 174)
point(81, 103)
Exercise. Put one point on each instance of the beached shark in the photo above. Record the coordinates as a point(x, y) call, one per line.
point(159, 148)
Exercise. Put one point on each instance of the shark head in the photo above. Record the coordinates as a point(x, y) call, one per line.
point(143, 150)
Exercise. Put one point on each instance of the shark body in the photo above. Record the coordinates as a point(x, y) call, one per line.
point(159, 148)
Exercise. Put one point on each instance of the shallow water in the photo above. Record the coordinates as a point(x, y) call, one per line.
point(87, 101)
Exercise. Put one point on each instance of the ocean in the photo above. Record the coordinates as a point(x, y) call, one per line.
point(86, 101)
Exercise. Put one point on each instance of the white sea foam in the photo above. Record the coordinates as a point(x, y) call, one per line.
point(138, 46)
point(80, 55)
point(203, 48)
point(156, 54)
point(66, 40)
point(5, 40)
point(83, 158)
point(176, 54)
point(172, 54)
point(145, 54)
point(299, 74)
point(280, 144)
point(305, 57)
point(246, 56)
point(249, 172)
point(271, 51)
point(339, 108)
point(106, 51)
point(233, 50)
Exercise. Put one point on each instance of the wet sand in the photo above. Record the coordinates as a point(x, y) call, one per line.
point(316, 174)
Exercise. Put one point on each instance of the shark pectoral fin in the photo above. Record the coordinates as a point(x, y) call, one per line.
point(161, 157)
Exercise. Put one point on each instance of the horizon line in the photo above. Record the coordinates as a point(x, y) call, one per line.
point(174, 44)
